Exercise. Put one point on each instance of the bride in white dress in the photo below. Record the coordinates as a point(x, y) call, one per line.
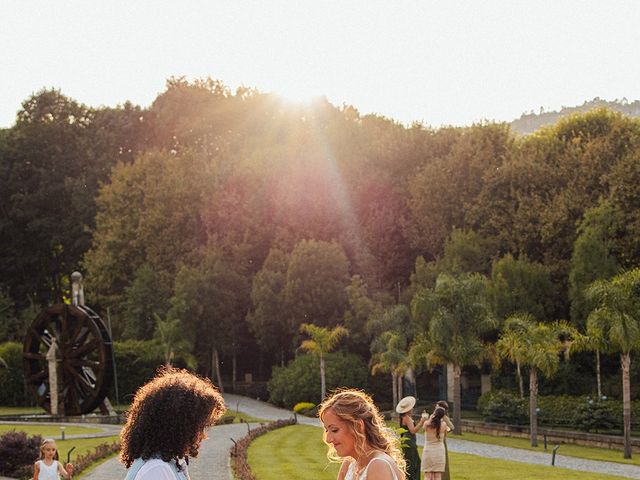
point(356, 434)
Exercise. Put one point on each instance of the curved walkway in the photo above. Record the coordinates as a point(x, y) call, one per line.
point(108, 430)
point(213, 461)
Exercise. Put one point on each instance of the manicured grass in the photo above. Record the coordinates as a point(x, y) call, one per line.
point(46, 430)
point(243, 417)
point(299, 452)
point(83, 446)
point(473, 467)
point(20, 410)
point(591, 453)
point(291, 452)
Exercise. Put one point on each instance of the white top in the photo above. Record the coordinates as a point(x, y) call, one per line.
point(48, 472)
point(351, 474)
point(155, 469)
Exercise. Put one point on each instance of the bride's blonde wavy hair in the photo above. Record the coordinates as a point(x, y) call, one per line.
point(354, 405)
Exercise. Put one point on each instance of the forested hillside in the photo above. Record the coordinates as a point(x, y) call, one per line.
point(530, 122)
point(235, 217)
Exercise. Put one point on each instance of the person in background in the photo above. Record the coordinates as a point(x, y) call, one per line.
point(408, 437)
point(446, 475)
point(166, 424)
point(433, 455)
point(356, 434)
point(48, 467)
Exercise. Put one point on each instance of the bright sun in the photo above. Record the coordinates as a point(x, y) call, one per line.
point(298, 93)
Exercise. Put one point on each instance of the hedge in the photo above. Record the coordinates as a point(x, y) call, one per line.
point(580, 412)
point(299, 381)
point(12, 393)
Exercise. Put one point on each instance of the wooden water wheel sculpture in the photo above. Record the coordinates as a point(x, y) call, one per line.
point(82, 347)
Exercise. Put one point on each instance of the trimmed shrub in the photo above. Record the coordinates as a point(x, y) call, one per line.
point(583, 412)
point(82, 462)
point(594, 416)
point(136, 363)
point(11, 375)
point(299, 381)
point(503, 407)
point(303, 407)
point(307, 409)
point(18, 452)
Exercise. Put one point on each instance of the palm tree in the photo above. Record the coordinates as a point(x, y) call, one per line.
point(323, 341)
point(617, 319)
point(169, 335)
point(538, 346)
point(510, 346)
point(394, 319)
point(452, 317)
point(593, 341)
point(390, 356)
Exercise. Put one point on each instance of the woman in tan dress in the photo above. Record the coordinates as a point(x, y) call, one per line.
point(433, 455)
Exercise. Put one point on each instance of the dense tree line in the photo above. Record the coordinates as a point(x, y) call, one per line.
point(234, 218)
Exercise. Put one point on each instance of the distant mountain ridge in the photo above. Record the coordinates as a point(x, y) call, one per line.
point(530, 122)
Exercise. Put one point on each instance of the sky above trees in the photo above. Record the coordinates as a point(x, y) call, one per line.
point(435, 62)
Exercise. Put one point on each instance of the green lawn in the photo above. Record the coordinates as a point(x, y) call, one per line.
point(21, 410)
point(592, 453)
point(46, 430)
point(83, 446)
point(298, 452)
point(243, 417)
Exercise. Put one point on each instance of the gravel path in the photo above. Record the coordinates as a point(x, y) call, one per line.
point(540, 458)
point(213, 461)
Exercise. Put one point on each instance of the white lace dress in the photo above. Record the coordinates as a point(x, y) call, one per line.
point(363, 476)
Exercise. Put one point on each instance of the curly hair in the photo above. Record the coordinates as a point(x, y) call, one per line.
point(352, 405)
point(168, 416)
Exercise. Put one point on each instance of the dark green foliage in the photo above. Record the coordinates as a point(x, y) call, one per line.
point(575, 412)
point(317, 276)
point(12, 391)
point(52, 161)
point(146, 296)
point(503, 407)
point(521, 286)
point(299, 381)
point(593, 416)
point(8, 319)
point(136, 363)
point(18, 453)
point(593, 258)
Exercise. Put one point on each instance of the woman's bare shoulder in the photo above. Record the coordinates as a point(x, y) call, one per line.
point(383, 467)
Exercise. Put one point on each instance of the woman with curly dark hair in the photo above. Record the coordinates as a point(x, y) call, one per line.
point(166, 423)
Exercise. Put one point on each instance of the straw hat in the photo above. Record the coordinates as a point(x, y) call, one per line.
point(406, 404)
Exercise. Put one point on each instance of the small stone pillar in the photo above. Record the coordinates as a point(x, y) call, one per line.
point(57, 407)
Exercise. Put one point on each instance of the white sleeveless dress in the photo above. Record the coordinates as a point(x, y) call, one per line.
point(363, 476)
point(48, 472)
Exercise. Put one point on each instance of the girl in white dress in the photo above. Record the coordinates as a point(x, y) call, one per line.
point(48, 467)
point(356, 434)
